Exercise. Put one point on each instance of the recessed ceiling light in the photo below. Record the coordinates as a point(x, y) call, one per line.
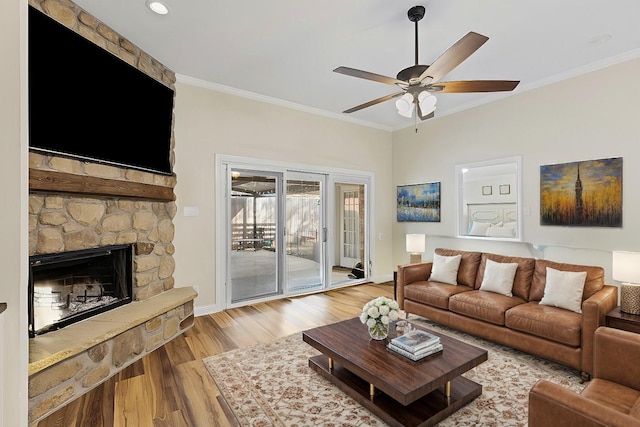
point(158, 7)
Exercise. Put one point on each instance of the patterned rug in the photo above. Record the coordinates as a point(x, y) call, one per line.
point(272, 385)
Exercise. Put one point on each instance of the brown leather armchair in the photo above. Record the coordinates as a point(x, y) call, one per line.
point(611, 398)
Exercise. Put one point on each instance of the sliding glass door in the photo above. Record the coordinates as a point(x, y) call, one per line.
point(305, 231)
point(276, 233)
point(254, 243)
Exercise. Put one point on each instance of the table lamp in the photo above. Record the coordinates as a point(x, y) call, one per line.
point(415, 246)
point(626, 269)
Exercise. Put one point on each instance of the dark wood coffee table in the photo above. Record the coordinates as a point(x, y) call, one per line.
point(398, 390)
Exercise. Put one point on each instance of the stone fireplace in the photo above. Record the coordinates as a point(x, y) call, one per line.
point(83, 207)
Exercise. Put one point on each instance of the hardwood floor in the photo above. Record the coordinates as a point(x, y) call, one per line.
point(171, 386)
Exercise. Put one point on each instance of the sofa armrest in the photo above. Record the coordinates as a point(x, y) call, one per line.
point(551, 404)
point(594, 313)
point(408, 274)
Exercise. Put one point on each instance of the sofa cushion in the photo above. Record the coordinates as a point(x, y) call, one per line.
point(613, 395)
point(498, 277)
point(445, 269)
point(435, 294)
point(523, 277)
point(552, 323)
point(468, 268)
point(564, 289)
point(592, 284)
point(482, 305)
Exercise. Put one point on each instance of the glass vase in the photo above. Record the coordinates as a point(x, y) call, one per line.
point(379, 331)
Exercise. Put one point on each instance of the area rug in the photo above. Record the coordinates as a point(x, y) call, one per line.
point(272, 385)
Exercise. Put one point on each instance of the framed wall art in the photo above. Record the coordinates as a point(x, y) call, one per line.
point(585, 193)
point(505, 189)
point(487, 190)
point(419, 202)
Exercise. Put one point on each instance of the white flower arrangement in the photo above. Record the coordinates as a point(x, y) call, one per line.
point(380, 311)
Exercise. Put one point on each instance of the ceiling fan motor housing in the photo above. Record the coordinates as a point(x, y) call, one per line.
point(413, 72)
point(416, 13)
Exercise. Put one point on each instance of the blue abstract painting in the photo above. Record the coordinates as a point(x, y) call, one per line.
point(419, 202)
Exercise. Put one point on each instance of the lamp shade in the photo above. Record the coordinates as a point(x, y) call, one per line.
point(415, 243)
point(626, 266)
point(626, 269)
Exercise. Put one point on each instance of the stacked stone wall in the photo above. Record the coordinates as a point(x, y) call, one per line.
point(60, 223)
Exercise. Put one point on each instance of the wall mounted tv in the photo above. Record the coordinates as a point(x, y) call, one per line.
point(87, 103)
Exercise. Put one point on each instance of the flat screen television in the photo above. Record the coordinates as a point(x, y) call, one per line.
point(86, 103)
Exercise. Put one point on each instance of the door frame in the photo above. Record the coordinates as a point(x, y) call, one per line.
point(334, 175)
point(355, 178)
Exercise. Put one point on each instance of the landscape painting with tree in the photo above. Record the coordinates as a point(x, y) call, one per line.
point(419, 202)
point(586, 193)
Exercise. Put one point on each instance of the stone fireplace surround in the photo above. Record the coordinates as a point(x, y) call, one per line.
point(79, 205)
point(65, 364)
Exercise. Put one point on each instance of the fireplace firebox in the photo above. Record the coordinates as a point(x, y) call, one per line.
point(68, 287)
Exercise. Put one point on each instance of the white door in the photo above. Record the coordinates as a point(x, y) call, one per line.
point(350, 208)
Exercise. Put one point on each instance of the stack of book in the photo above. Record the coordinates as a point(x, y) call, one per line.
point(415, 344)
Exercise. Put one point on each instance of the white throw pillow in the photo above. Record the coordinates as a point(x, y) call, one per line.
point(498, 277)
point(479, 228)
point(500, 232)
point(564, 289)
point(445, 269)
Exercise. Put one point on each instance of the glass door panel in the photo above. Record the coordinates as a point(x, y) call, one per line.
point(304, 231)
point(350, 232)
point(253, 249)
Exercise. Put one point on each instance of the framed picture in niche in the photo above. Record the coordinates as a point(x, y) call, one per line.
point(418, 202)
point(583, 193)
point(487, 190)
point(505, 189)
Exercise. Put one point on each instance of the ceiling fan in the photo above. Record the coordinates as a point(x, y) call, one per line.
point(419, 81)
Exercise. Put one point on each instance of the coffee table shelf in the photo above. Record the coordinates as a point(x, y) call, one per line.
point(407, 393)
point(426, 411)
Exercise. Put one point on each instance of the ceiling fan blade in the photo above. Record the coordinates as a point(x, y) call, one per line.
point(474, 86)
point(454, 56)
point(374, 102)
point(370, 76)
point(419, 111)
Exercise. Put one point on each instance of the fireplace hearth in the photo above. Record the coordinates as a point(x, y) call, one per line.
point(68, 287)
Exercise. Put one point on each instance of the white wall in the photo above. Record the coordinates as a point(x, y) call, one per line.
point(587, 117)
point(13, 193)
point(210, 122)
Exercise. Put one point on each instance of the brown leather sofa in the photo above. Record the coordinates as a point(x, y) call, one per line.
point(517, 321)
point(612, 398)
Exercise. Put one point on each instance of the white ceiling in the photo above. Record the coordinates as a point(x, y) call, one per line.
point(284, 51)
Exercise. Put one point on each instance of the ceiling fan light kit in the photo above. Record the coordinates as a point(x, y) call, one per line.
point(405, 105)
point(427, 102)
point(418, 81)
